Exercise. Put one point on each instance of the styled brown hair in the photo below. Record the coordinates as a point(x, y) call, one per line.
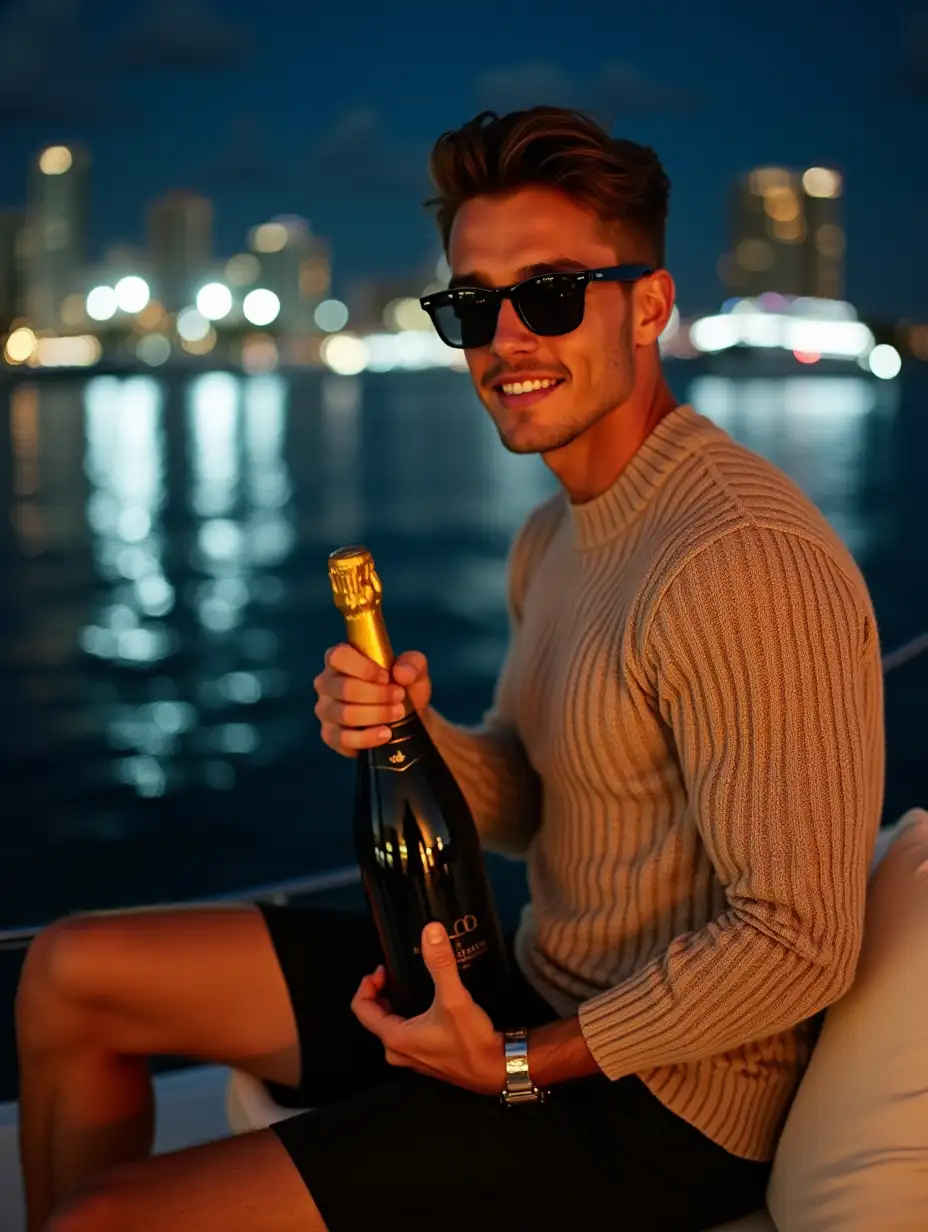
point(621, 182)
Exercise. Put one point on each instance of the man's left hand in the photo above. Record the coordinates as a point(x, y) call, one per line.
point(454, 1039)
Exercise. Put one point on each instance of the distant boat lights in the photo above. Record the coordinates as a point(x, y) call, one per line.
point(811, 329)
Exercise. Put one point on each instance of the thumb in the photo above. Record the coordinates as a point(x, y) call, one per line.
point(410, 667)
point(442, 966)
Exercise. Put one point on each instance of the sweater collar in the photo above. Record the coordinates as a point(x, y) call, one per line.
point(604, 517)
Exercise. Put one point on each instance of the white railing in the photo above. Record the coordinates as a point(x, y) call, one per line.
point(338, 878)
point(275, 892)
point(905, 653)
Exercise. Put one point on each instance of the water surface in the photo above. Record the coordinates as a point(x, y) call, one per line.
point(164, 602)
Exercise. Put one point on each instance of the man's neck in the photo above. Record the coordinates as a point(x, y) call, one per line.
point(591, 463)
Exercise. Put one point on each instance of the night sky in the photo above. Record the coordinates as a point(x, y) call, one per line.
point(329, 111)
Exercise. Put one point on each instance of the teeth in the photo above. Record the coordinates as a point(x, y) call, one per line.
point(524, 387)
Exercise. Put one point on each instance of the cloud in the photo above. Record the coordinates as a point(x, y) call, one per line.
point(355, 157)
point(616, 91)
point(182, 35)
point(45, 71)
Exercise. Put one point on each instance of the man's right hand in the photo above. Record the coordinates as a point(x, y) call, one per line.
point(357, 698)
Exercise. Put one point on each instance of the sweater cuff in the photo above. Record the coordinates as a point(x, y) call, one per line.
point(624, 1029)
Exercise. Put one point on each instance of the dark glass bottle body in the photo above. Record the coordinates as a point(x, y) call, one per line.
point(420, 860)
point(415, 838)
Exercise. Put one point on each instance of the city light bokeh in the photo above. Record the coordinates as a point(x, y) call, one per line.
point(132, 293)
point(176, 303)
point(214, 301)
point(261, 306)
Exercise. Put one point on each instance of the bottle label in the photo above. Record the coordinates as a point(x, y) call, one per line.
point(466, 940)
point(408, 745)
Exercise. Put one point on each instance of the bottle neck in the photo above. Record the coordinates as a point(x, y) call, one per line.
point(367, 632)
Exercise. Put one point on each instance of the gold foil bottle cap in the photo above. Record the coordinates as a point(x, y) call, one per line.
point(355, 585)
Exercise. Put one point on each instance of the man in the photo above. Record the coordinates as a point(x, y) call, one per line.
point(686, 744)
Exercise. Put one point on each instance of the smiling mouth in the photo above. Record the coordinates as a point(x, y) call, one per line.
point(517, 388)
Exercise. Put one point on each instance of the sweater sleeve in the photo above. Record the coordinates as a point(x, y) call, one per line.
point(489, 761)
point(764, 655)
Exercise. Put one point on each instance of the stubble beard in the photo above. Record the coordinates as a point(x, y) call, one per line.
point(547, 438)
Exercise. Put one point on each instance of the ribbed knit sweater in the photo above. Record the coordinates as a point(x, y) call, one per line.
point(687, 745)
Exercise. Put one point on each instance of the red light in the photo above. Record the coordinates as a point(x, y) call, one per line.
point(807, 357)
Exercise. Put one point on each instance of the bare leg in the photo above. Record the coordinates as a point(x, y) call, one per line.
point(100, 994)
point(244, 1184)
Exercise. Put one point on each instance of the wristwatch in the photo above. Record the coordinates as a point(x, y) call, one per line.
point(519, 1088)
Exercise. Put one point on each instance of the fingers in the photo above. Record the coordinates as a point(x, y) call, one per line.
point(350, 662)
point(371, 1011)
point(409, 667)
point(372, 985)
point(359, 692)
point(348, 741)
point(439, 957)
point(342, 714)
point(356, 701)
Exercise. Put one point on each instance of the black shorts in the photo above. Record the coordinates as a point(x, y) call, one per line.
point(389, 1149)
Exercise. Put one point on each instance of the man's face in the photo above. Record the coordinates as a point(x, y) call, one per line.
point(495, 241)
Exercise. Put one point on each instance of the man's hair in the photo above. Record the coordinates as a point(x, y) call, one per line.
point(619, 181)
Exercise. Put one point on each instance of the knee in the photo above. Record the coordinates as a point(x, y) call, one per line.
point(58, 971)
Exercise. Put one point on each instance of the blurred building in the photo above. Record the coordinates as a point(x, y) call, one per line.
point(54, 241)
point(295, 265)
point(180, 246)
point(11, 282)
point(787, 234)
point(914, 339)
point(372, 301)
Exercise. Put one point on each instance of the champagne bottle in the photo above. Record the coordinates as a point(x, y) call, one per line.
point(415, 838)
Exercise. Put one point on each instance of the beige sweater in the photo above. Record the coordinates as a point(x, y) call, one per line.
point(687, 746)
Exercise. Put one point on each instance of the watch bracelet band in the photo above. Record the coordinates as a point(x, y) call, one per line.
point(519, 1087)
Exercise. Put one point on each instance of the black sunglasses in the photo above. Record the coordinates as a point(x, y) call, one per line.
point(547, 304)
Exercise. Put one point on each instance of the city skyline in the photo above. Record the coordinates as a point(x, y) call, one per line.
point(785, 234)
point(785, 269)
point(286, 115)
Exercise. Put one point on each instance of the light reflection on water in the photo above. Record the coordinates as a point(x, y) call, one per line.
point(164, 602)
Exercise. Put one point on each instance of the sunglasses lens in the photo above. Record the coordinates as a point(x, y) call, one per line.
point(549, 304)
point(469, 320)
point(552, 304)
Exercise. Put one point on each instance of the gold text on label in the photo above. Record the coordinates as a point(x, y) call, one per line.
point(465, 924)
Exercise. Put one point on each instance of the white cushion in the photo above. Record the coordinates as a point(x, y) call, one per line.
point(249, 1106)
point(854, 1151)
